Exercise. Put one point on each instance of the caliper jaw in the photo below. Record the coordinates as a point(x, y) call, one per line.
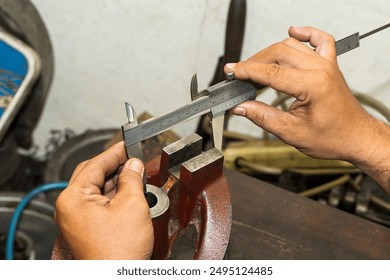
point(217, 118)
point(135, 150)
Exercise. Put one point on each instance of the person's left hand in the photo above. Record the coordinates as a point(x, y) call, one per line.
point(103, 213)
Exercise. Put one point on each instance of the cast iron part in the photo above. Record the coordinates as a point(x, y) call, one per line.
point(199, 197)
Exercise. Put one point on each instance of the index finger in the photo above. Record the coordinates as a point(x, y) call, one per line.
point(323, 43)
point(288, 80)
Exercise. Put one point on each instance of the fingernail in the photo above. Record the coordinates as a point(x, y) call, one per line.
point(230, 66)
point(240, 111)
point(136, 165)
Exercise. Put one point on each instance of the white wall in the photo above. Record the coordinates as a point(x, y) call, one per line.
point(145, 52)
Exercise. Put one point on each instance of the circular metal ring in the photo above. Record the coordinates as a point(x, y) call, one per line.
point(162, 204)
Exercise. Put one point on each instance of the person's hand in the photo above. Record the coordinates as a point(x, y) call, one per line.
point(103, 213)
point(325, 120)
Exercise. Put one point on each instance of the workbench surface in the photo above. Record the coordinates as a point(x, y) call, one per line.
point(272, 223)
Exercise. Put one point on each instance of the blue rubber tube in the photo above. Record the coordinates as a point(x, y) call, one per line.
point(9, 247)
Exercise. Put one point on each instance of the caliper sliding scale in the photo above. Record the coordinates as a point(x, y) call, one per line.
point(215, 100)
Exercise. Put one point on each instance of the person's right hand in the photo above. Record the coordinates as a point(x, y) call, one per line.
point(325, 120)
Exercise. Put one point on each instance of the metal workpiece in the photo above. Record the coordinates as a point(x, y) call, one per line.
point(183, 149)
point(198, 198)
point(194, 171)
point(176, 153)
point(197, 163)
point(158, 201)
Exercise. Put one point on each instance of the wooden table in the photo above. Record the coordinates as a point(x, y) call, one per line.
point(272, 223)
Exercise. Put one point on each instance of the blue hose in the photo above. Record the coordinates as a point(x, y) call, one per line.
point(9, 248)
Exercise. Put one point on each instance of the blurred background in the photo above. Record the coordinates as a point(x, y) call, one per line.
point(78, 62)
point(145, 52)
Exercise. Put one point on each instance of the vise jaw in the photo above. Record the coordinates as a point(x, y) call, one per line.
point(198, 197)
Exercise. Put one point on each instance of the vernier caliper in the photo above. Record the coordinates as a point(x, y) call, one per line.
point(215, 100)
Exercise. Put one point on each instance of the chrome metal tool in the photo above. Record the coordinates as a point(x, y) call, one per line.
point(353, 41)
point(216, 100)
point(136, 149)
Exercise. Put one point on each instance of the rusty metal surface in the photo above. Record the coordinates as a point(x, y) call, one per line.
point(271, 223)
point(199, 199)
point(61, 250)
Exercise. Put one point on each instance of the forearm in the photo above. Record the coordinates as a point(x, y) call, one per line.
point(374, 155)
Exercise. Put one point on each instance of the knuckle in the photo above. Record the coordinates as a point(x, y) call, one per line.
point(301, 89)
point(60, 200)
point(330, 38)
point(274, 48)
point(278, 47)
point(83, 163)
point(272, 72)
point(62, 204)
point(130, 177)
point(80, 166)
point(261, 119)
point(321, 34)
point(328, 71)
point(289, 41)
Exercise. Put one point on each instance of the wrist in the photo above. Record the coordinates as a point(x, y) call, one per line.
point(372, 152)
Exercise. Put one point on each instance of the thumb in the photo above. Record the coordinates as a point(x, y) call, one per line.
point(272, 119)
point(130, 179)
